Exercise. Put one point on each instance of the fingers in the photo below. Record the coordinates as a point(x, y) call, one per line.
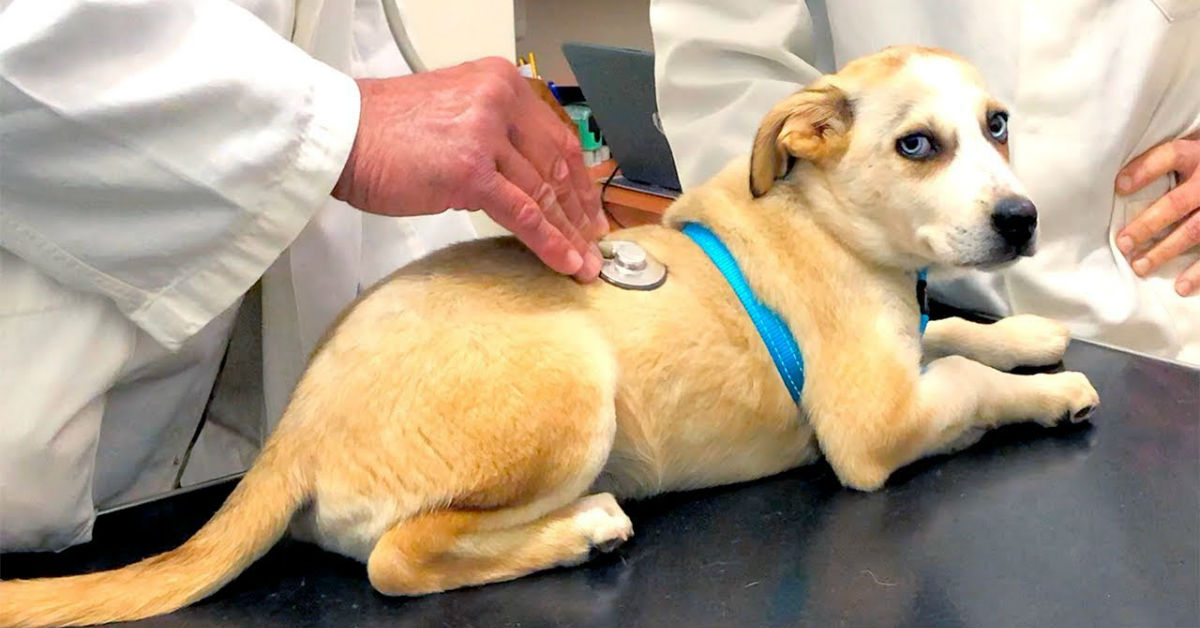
point(564, 142)
point(1163, 213)
point(516, 211)
point(1188, 281)
point(574, 175)
point(1182, 156)
point(521, 174)
point(581, 179)
point(541, 149)
point(589, 196)
point(1178, 156)
point(1185, 236)
point(551, 146)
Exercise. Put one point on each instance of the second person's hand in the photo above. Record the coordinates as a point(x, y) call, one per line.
point(1174, 216)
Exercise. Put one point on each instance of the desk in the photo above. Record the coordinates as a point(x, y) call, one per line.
point(628, 208)
point(1073, 526)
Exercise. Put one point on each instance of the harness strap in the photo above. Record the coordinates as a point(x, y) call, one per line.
point(774, 331)
point(776, 334)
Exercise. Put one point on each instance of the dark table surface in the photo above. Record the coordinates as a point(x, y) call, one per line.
point(1075, 526)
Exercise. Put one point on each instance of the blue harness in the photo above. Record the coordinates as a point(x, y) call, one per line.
point(774, 330)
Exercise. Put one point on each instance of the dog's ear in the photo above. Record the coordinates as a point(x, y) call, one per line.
point(812, 124)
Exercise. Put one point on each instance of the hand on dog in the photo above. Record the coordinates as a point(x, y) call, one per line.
point(475, 136)
point(1177, 207)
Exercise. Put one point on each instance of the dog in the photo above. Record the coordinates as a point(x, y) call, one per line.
point(476, 417)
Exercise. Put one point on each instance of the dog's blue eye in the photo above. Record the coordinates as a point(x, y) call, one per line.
point(916, 146)
point(998, 126)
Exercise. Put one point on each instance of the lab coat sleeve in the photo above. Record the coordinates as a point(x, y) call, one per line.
point(719, 67)
point(162, 152)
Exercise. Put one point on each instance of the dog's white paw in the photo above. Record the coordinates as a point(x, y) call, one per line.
point(1028, 340)
point(602, 522)
point(1065, 396)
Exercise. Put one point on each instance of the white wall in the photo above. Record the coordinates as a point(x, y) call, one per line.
point(543, 26)
point(446, 32)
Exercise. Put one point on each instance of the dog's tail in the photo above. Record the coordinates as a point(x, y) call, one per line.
point(251, 520)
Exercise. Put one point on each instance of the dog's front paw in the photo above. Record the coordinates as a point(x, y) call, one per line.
point(1028, 340)
point(602, 522)
point(1065, 396)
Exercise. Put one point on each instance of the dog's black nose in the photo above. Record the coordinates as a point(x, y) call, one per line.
point(1015, 218)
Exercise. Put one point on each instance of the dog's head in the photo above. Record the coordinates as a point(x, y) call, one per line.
point(906, 154)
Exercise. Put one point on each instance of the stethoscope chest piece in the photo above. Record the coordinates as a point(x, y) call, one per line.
point(627, 265)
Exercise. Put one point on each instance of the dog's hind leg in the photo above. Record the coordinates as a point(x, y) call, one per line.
point(1023, 340)
point(449, 549)
point(507, 499)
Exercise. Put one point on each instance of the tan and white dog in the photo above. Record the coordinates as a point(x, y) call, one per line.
point(475, 417)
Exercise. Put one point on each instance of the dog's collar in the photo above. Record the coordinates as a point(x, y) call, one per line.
point(776, 334)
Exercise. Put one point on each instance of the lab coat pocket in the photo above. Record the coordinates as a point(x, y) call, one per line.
point(1177, 10)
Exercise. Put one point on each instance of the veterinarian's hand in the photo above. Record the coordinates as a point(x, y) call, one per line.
point(475, 136)
point(1177, 207)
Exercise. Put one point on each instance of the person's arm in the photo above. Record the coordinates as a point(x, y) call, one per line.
point(162, 152)
point(719, 67)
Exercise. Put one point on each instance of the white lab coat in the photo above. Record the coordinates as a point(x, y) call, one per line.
point(1091, 83)
point(158, 158)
